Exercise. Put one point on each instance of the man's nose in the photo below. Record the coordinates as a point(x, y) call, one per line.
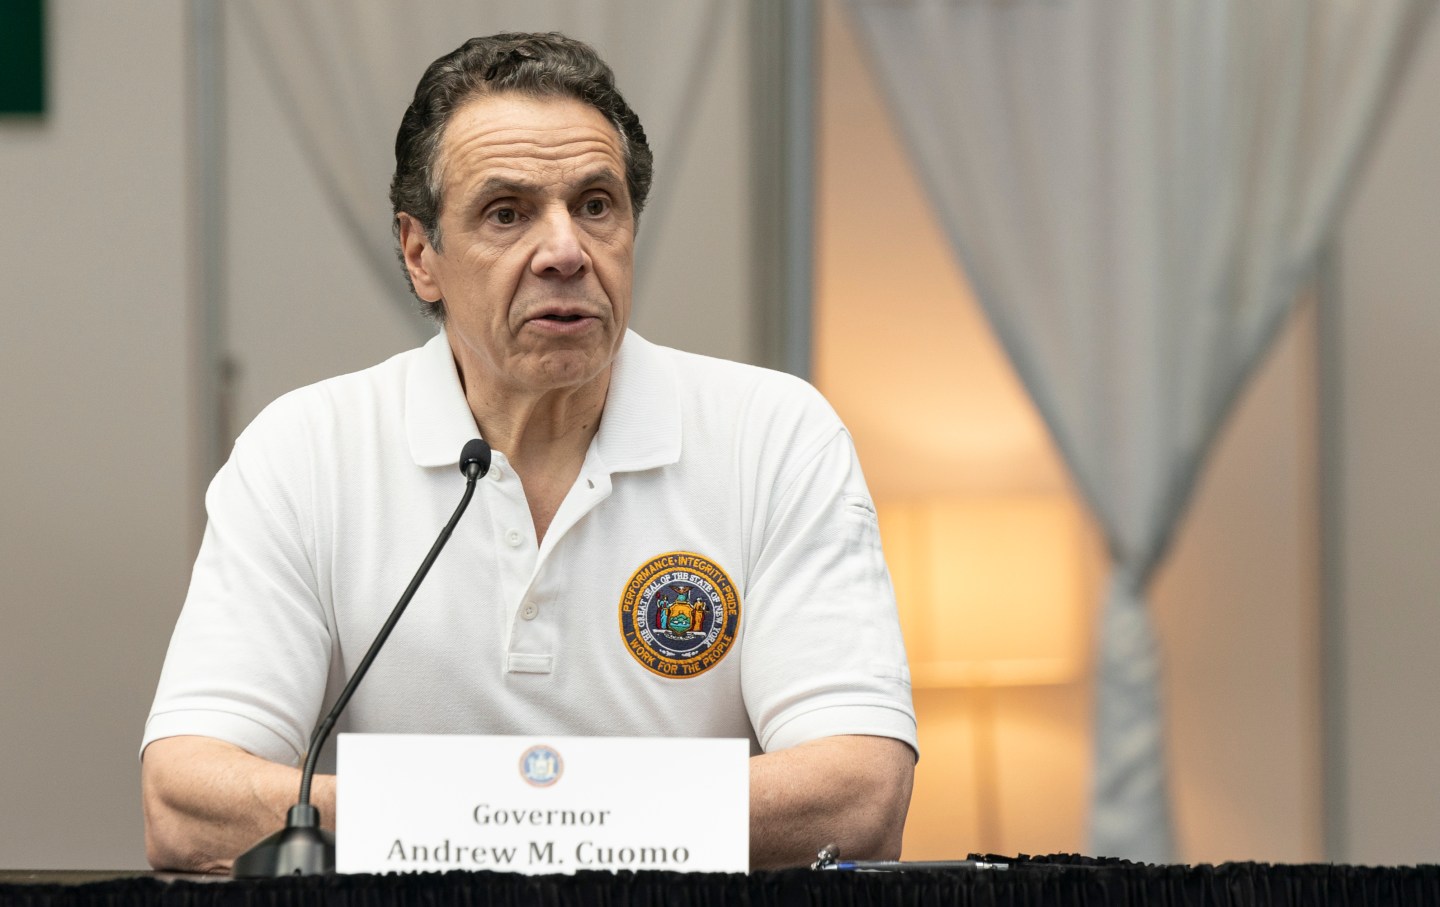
point(560, 252)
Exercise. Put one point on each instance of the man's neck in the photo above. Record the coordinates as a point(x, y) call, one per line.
point(544, 436)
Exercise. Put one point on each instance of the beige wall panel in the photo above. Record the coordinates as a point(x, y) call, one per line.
point(96, 523)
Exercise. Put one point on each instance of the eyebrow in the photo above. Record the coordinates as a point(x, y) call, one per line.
point(604, 177)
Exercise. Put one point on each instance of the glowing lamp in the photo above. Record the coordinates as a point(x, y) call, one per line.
point(989, 588)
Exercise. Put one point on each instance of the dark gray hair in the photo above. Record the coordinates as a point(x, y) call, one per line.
point(537, 65)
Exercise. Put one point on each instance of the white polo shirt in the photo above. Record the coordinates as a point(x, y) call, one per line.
point(714, 571)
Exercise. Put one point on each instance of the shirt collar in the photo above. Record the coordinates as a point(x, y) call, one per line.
point(438, 420)
point(639, 429)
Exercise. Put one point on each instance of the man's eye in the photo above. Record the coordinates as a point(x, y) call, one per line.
point(596, 206)
point(504, 216)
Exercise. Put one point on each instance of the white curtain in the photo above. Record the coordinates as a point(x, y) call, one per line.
point(1136, 189)
point(344, 71)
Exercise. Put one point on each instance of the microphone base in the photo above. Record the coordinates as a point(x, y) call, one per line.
point(301, 848)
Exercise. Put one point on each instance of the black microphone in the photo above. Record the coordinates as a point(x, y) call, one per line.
point(302, 847)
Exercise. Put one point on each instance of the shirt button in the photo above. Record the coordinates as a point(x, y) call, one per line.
point(496, 473)
point(512, 538)
point(530, 611)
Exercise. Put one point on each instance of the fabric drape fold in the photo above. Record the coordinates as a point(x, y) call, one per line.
point(1137, 191)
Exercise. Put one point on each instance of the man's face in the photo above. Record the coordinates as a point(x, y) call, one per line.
point(537, 244)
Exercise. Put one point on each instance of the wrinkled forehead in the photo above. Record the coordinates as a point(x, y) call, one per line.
point(526, 129)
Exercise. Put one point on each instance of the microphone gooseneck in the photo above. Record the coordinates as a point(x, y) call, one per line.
point(302, 847)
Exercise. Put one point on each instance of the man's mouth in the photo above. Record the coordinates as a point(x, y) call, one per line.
point(565, 318)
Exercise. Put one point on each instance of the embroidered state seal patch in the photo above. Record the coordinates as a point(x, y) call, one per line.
point(679, 614)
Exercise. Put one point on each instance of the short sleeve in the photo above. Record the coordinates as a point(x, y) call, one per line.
point(823, 653)
point(249, 658)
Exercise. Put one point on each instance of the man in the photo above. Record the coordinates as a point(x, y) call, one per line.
point(624, 475)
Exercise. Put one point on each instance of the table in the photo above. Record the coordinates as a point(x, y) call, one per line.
point(1031, 882)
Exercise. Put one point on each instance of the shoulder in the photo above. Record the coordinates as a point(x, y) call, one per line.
point(746, 391)
point(327, 406)
point(757, 422)
point(310, 446)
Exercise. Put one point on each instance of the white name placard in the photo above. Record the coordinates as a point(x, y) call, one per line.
point(431, 803)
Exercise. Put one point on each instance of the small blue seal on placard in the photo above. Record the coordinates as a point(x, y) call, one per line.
point(541, 766)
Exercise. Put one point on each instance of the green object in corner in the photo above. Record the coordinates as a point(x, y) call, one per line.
point(22, 57)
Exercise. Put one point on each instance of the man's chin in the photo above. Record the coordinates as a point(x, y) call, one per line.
point(566, 368)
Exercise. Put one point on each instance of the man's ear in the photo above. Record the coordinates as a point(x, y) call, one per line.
point(417, 252)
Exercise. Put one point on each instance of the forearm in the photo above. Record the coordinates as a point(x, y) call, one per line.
point(207, 801)
point(850, 791)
